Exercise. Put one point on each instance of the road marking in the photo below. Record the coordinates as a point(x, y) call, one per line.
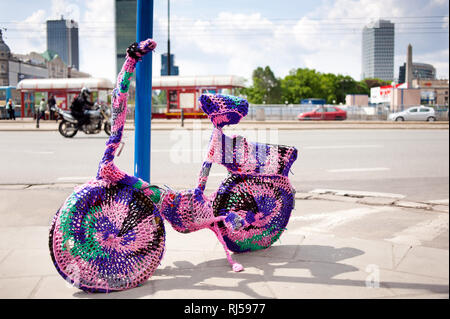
point(421, 232)
point(187, 149)
point(39, 152)
point(328, 221)
point(326, 147)
point(349, 170)
point(72, 178)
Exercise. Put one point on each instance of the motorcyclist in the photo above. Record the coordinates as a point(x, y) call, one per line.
point(81, 104)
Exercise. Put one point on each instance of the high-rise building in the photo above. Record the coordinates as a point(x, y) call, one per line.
point(62, 38)
point(125, 12)
point(5, 54)
point(164, 65)
point(378, 50)
point(420, 71)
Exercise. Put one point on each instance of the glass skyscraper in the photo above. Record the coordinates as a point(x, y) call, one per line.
point(378, 50)
point(164, 65)
point(419, 71)
point(62, 38)
point(125, 11)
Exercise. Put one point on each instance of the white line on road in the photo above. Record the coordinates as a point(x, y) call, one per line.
point(349, 170)
point(331, 220)
point(326, 147)
point(424, 231)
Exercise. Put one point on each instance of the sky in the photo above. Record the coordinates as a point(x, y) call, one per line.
point(233, 37)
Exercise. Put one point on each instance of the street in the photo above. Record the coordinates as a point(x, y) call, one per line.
point(413, 163)
point(334, 246)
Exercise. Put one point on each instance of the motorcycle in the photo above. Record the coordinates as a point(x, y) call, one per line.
point(99, 116)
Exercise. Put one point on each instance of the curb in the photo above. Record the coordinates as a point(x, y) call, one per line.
point(357, 197)
point(7, 126)
point(373, 199)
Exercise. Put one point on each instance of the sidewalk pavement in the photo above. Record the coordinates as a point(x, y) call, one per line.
point(337, 245)
point(28, 124)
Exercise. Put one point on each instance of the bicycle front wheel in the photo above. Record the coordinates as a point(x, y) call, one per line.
point(107, 238)
point(264, 202)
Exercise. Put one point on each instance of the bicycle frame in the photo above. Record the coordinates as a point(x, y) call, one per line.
point(109, 234)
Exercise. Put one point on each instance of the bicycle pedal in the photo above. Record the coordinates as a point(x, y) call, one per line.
point(234, 222)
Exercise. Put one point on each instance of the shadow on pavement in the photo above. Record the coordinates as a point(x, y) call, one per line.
point(209, 275)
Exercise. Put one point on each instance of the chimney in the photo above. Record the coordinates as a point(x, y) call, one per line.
point(409, 73)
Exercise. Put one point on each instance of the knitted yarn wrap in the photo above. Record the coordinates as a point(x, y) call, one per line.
point(223, 109)
point(109, 235)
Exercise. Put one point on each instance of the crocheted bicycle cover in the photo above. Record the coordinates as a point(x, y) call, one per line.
point(107, 238)
point(257, 193)
point(223, 109)
point(109, 235)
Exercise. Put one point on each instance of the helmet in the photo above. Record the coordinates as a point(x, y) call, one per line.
point(85, 91)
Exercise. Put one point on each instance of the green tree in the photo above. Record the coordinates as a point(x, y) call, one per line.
point(300, 84)
point(303, 83)
point(266, 87)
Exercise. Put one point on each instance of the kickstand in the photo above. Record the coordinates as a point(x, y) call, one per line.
point(122, 144)
point(234, 265)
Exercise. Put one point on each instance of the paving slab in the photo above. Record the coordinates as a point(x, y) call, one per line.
point(350, 251)
point(296, 280)
point(29, 237)
point(407, 284)
point(18, 288)
point(27, 263)
point(427, 261)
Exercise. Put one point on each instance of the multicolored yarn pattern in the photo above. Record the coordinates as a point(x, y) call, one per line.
point(107, 238)
point(109, 234)
point(257, 198)
point(223, 109)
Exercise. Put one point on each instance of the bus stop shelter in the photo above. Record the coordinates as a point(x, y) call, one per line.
point(183, 93)
point(64, 90)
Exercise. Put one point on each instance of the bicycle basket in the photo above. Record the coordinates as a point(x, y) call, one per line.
point(223, 109)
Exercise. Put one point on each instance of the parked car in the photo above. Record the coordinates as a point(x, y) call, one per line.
point(324, 113)
point(415, 113)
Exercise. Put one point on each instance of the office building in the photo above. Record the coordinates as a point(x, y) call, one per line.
point(164, 65)
point(125, 12)
point(5, 54)
point(422, 71)
point(62, 39)
point(378, 50)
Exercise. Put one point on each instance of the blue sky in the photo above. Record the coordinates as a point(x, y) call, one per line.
point(236, 36)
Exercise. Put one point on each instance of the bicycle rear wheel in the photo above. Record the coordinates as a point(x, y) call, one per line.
point(264, 202)
point(107, 238)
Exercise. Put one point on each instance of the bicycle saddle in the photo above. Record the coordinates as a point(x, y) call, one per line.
point(223, 109)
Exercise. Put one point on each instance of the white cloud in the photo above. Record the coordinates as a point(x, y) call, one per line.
point(65, 8)
point(29, 33)
point(97, 39)
point(439, 59)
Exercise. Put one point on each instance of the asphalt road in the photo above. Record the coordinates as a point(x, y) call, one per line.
point(414, 163)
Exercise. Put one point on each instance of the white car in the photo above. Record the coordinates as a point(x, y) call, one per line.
point(416, 113)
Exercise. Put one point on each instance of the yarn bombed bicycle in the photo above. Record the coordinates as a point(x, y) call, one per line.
point(109, 233)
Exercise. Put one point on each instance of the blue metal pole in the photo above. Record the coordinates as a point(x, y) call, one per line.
point(143, 102)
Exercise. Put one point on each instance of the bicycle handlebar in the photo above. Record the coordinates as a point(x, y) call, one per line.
point(135, 52)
